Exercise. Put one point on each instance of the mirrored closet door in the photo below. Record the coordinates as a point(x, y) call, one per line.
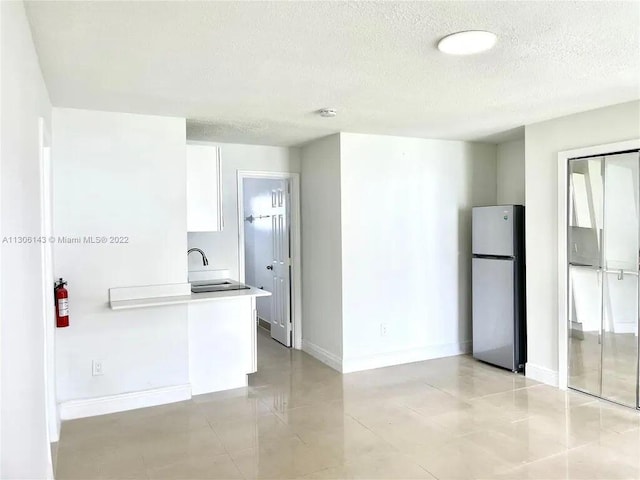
point(603, 251)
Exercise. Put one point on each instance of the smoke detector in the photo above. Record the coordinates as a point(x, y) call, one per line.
point(327, 112)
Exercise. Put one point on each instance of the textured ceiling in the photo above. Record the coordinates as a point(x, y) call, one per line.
point(255, 72)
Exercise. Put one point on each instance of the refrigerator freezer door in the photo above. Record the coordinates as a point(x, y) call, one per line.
point(493, 311)
point(493, 230)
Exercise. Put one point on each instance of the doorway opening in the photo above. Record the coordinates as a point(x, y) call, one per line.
point(269, 250)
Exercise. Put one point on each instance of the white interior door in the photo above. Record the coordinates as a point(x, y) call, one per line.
point(280, 265)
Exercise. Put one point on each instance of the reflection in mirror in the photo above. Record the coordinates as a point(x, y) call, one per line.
point(620, 295)
point(584, 332)
point(585, 275)
point(586, 211)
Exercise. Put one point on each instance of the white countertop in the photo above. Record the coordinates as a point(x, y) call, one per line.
point(181, 299)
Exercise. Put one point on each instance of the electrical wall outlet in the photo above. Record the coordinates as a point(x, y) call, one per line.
point(96, 368)
point(383, 329)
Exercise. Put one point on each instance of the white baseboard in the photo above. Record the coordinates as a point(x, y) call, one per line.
point(404, 356)
point(323, 355)
point(541, 374)
point(54, 427)
point(126, 401)
point(220, 384)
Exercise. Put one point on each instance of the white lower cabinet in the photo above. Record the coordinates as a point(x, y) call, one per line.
point(222, 344)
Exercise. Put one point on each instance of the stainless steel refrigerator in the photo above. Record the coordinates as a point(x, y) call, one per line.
point(498, 286)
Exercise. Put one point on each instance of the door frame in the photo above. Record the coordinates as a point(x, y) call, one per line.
point(563, 217)
point(46, 251)
point(296, 275)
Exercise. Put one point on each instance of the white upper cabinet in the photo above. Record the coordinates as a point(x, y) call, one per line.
point(204, 193)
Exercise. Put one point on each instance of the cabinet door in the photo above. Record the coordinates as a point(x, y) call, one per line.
point(204, 204)
point(222, 342)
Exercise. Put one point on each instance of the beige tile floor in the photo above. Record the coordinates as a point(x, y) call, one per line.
point(449, 418)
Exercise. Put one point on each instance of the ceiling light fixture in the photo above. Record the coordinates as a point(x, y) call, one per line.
point(467, 43)
point(327, 112)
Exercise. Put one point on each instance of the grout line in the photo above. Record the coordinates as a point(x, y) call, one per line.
point(235, 463)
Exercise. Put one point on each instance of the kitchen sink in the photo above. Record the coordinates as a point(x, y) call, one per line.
point(216, 286)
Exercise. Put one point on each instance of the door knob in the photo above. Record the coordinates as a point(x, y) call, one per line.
point(269, 267)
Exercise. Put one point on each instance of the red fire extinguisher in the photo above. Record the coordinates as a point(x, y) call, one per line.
point(62, 304)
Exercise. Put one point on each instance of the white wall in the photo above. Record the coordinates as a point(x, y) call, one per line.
point(24, 444)
point(543, 141)
point(406, 248)
point(118, 174)
point(510, 173)
point(221, 248)
point(322, 249)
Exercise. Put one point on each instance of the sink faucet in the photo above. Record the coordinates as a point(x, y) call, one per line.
point(205, 262)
